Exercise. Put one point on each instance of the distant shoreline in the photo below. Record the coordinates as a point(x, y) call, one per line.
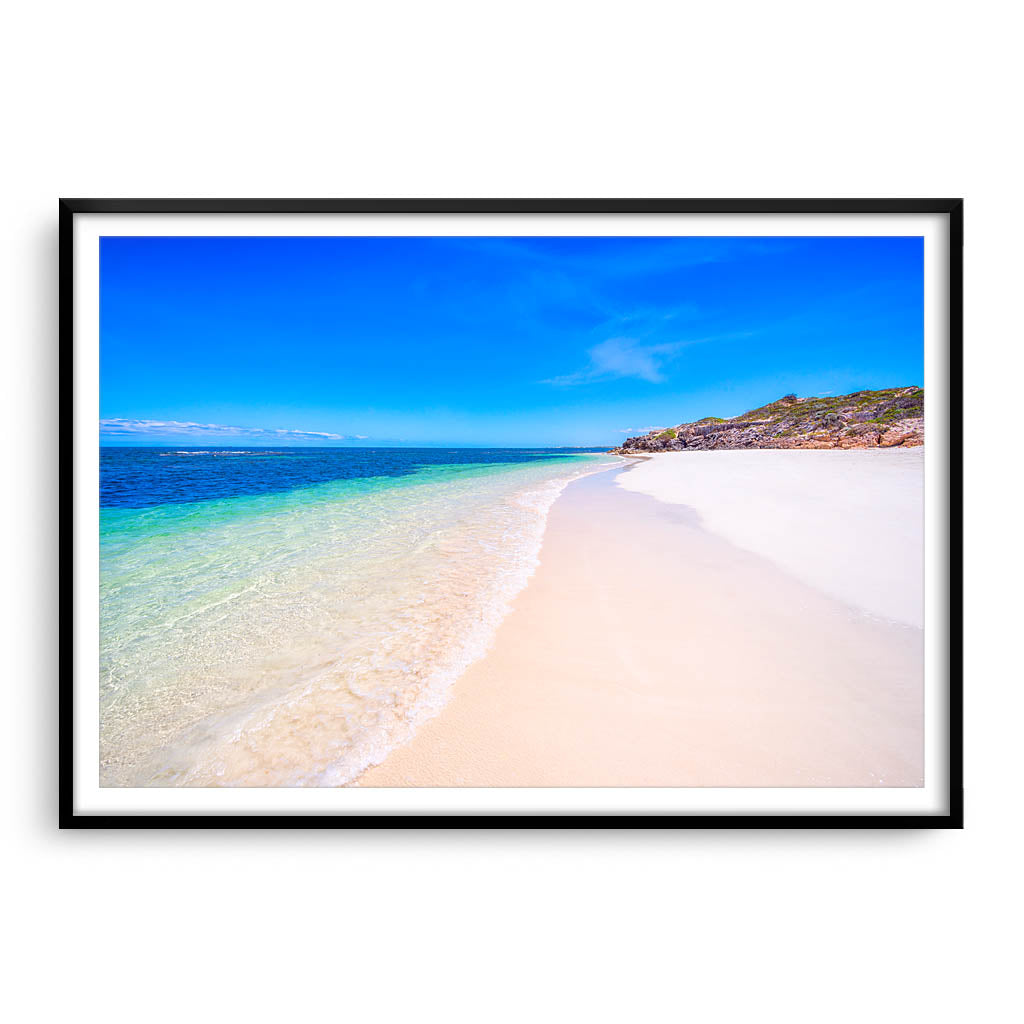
point(892, 418)
point(583, 449)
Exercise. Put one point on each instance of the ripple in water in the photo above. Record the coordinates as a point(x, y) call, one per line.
point(294, 638)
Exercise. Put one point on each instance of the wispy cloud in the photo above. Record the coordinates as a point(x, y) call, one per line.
point(621, 357)
point(639, 430)
point(615, 358)
point(208, 431)
point(628, 257)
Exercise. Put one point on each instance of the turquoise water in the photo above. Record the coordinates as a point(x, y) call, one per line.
point(293, 635)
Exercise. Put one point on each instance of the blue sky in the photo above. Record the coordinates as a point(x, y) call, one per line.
point(489, 341)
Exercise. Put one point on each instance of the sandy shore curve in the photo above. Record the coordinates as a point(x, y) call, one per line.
point(649, 650)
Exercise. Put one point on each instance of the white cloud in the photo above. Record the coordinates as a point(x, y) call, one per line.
point(622, 357)
point(206, 431)
point(626, 357)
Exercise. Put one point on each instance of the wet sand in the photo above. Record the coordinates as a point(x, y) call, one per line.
point(649, 651)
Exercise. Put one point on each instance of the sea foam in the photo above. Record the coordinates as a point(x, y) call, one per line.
point(295, 639)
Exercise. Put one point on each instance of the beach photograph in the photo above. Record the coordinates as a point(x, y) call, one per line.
point(482, 511)
point(507, 513)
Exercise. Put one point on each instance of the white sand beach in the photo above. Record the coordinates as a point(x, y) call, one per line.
point(850, 523)
point(757, 623)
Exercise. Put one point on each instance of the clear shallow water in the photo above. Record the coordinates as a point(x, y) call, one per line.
point(288, 618)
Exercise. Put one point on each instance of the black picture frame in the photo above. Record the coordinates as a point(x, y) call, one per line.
point(951, 208)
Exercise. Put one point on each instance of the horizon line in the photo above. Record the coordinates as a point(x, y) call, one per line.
point(346, 447)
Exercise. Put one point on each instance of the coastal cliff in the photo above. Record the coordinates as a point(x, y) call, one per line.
point(865, 419)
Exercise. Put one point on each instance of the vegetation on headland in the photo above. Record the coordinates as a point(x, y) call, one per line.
point(865, 419)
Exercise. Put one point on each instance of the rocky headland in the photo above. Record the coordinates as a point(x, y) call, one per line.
point(865, 419)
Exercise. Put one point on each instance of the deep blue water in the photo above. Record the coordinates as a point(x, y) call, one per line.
point(145, 477)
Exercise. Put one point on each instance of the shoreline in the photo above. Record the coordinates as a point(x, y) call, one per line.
point(351, 611)
point(617, 665)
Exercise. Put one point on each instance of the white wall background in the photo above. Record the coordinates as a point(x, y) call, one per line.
point(525, 99)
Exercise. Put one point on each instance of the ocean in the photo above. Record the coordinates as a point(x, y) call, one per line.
point(287, 617)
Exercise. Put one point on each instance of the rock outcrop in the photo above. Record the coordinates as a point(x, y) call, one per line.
point(865, 419)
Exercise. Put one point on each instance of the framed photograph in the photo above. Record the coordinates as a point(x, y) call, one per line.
point(537, 513)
